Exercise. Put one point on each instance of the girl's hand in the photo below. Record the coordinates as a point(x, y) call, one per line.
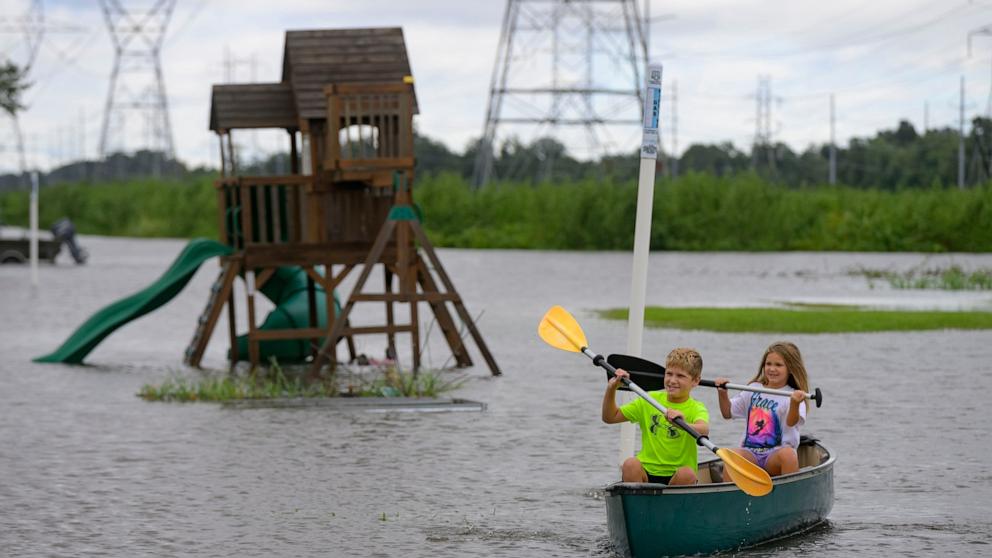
point(798, 396)
point(673, 414)
point(721, 384)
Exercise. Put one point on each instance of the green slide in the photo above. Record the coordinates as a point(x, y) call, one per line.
point(111, 317)
point(287, 288)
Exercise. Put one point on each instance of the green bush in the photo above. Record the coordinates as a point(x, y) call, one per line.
point(704, 212)
point(694, 212)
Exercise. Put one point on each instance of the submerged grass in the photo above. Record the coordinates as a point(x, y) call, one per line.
point(953, 278)
point(814, 319)
point(274, 382)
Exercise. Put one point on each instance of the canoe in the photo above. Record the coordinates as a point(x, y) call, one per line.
point(650, 520)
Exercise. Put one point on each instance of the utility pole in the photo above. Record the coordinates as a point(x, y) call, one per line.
point(758, 122)
point(833, 143)
point(987, 30)
point(675, 130)
point(961, 138)
point(926, 116)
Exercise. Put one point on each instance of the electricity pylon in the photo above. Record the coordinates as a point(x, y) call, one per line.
point(565, 63)
point(32, 27)
point(136, 81)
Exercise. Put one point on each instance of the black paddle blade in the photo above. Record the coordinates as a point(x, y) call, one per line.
point(649, 375)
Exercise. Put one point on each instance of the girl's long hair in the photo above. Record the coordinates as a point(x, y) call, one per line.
point(798, 379)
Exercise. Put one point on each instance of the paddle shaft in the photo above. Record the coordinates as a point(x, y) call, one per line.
point(600, 360)
point(817, 397)
point(654, 371)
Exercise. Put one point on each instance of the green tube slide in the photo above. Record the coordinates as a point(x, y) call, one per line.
point(287, 288)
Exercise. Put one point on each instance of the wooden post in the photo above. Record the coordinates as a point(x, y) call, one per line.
point(312, 306)
point(223, 157)
point(390, 337)
point(331, 312)
point(253, 352)
point(294, 156)
point(408, 273)
point(232, 160)
point(232, 330)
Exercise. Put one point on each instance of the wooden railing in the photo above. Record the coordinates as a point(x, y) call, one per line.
point(262, 209)
point(369, 132)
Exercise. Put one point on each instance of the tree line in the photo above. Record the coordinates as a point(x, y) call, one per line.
point(894, 159)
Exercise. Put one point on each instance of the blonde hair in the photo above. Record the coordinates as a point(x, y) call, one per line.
point(687, 359)
point(798, 378)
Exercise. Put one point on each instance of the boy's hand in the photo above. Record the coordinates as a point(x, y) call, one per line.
point(615, 380)
point(798, 396)
point(721, 384)
point(673, 414)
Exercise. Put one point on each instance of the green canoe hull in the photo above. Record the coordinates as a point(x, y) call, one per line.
point(650, 520)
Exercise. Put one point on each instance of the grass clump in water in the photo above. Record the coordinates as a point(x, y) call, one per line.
point(953, 278)
point(273, 383)
point(389, 381)
point(813, 319)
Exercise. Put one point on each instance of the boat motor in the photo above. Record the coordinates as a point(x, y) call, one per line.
point(65, 232)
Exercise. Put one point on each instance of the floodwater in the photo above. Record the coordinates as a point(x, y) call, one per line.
point(89, 469)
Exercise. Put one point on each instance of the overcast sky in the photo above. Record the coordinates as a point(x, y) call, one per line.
point(885, 60)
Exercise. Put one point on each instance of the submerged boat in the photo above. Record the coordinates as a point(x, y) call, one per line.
point(650, 520)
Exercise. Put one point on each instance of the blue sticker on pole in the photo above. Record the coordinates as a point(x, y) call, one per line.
point(652, 112)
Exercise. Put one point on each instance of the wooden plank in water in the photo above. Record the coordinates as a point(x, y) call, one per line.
point(364, 404)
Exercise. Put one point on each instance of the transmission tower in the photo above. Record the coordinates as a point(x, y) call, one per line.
point(31, 27)
point(564, 63)
point(763, 140)
point(136, 83)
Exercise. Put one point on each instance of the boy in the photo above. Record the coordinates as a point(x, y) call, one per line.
point(668, 453)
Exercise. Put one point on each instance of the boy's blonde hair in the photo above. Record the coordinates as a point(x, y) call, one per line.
point(798, 378)
point(687, 359)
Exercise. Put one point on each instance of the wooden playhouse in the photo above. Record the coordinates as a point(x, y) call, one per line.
point(346, 102)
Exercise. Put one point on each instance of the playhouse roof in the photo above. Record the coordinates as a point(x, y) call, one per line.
point(312, 59)
point(315, 58)
point(252, 105)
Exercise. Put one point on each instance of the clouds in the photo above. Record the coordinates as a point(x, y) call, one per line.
point(883, 61)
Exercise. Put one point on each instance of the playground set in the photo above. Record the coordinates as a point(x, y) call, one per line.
point(347, 101)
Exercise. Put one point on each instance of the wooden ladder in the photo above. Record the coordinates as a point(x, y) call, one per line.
point(220, 292)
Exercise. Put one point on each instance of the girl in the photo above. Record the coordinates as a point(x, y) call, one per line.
point(773, 421)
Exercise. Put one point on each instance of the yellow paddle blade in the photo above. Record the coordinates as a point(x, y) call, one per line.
point(750, 478)
point(560, 330)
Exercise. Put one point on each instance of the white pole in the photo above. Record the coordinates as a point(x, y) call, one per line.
point(832, 178)
point(34, 228)
point(961, 140)
point(642, 231)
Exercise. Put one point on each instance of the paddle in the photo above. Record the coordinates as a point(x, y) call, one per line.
point(651, 376)
point(560, 330)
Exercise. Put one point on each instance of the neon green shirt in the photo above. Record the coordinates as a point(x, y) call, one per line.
point(664, 446)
